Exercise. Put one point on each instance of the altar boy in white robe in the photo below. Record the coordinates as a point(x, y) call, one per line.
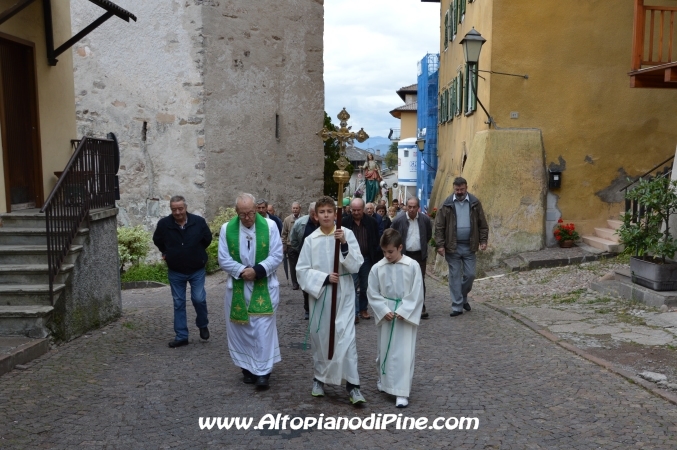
point(396, 295)
point(314, 271)
point(250, 251)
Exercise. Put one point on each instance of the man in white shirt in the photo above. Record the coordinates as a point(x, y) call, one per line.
point(416, 230)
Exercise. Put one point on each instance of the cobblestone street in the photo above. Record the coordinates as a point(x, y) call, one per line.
point(122, 387)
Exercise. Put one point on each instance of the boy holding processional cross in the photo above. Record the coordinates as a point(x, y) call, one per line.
point(316, 276)
point(396, 295)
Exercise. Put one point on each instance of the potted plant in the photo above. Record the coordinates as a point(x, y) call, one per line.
point(565, 233)
point(647, 236)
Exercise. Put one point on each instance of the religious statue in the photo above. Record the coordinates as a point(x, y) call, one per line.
point(372, 176)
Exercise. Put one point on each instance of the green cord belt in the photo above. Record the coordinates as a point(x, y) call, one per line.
point(390, 339)
point(319, 320)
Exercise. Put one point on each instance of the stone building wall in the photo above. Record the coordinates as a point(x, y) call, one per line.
point(192, 91)
point(264, 100)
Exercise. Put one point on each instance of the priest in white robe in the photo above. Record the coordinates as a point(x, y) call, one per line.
point(314, 271)
point(250, 251)
point(396, 293)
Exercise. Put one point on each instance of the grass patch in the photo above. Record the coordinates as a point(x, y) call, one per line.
point(146, 272)
point(129, 325)
point(569, 297)
point(598, 300)
point(626, 317)
point(603, 311)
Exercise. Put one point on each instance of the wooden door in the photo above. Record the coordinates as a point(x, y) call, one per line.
point(19, 125)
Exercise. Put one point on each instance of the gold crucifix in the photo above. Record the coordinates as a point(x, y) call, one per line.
point(342, 135)
point(341, 176)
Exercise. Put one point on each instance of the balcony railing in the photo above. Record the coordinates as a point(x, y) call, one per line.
point(653, 40)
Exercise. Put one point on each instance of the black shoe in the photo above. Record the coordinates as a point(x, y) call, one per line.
point(306, 316)
point(296, 287)
point(466, 306)
point(248, 377)
point(204, 333)
point(262, 381)
point(175, 343)
point(456, 313)
point(424, 315)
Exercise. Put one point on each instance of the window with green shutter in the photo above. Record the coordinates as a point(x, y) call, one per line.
point(447, 102)
point(471, 89)
point(459, 93)
point(452, 99)
point(439, 108)
point(462, 14)
point(453, 19)
point(446, 30)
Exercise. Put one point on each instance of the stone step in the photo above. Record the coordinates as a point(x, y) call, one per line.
point(602, 244)
point(614, 224)
point(31, 273)
point(15, 350)
point(27, 294)
point(31, 219)
point(32, 254)
point(28, 321)
point(607, 233)
point(29, 236)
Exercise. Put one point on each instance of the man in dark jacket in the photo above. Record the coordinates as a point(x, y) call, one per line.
point(262, 208)
point(365, 229)
point(182, 238)
point(416, 230)
point(460, 230)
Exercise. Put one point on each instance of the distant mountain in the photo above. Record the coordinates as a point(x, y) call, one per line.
point(375, 143)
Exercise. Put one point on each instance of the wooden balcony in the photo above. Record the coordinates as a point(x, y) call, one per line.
point(653, 46)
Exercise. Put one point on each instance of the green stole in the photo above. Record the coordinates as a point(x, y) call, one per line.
point(259, 303)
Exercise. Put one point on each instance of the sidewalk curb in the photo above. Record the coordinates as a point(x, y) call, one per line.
point(23, 354)
point(608, 365)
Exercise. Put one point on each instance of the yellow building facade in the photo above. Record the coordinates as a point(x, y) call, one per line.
point(407, 112)
point(593, 128)
point(50, 105)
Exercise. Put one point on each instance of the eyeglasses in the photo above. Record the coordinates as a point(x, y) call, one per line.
point(250, 214)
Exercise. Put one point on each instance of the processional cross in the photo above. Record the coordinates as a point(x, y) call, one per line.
point(343, 135)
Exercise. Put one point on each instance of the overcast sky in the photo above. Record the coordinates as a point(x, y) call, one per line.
point(371, 49)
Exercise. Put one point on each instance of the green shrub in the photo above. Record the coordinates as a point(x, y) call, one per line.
point(146, 272)
point(224, 215)
point(133, 244)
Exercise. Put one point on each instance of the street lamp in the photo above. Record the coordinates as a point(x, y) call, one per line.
point(420, 143)
point(472, 45)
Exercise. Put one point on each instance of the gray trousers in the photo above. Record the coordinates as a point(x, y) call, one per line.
point(461, 275)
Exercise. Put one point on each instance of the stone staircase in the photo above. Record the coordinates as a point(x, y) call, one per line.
point(25, 306)
point(605, 239)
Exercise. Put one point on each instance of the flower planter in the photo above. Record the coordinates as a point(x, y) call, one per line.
point(566, 244)
point(654, 275)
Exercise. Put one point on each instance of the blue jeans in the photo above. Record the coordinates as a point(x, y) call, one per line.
point(198, 296)
point(461, 275)
point(361, 280)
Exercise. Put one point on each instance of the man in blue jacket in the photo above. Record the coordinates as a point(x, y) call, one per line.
point(182, 238)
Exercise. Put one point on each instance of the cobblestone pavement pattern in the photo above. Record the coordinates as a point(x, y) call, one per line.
point(122, 387)
point(635, 337)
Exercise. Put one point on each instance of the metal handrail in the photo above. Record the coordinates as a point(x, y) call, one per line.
point(87, 182)
point(647, 173)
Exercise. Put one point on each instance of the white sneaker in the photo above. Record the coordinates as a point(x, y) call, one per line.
point(318, 389)
point(356, 396)
point(379, 386)
point(401, 402)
